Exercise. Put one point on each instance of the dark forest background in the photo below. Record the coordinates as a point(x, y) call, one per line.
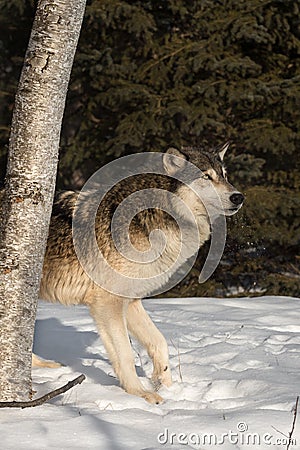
point(152, 73)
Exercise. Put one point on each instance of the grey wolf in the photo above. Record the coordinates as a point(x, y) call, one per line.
point(117, 317)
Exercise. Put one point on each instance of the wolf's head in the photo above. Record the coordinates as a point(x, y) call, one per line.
point(208, 190)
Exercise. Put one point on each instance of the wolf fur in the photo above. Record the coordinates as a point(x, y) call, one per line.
point(65, 281)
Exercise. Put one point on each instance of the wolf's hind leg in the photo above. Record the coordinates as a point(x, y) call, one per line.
point(109, 315)
point(38, 362)
point(143, 329)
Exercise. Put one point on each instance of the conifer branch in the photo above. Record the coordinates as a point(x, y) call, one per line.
point(169, 55)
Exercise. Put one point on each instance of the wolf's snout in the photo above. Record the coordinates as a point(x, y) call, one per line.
point(237, 198)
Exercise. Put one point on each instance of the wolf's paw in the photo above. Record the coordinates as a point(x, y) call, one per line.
point(149, 396)
point(152, 397)
point(38, 362)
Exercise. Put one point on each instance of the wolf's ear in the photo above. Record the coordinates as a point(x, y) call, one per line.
point(173, 160)
point(222, 150)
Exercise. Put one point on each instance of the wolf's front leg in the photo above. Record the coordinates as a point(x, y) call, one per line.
point(143, 329)
point(109, 315)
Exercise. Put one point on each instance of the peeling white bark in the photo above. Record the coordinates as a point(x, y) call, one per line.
point(25, 208)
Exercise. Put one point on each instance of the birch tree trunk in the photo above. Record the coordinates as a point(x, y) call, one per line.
point(25, 207)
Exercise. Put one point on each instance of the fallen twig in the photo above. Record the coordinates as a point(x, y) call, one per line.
point(44, 398)
point(294, 422)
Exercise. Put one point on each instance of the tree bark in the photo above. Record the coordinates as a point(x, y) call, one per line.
point(26, 203)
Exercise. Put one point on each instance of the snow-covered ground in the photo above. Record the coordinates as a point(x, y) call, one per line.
point(236, 371)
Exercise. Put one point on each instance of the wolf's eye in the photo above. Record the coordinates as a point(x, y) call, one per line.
point(207, 177)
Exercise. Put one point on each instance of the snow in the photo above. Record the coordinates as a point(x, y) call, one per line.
point(235, 365)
